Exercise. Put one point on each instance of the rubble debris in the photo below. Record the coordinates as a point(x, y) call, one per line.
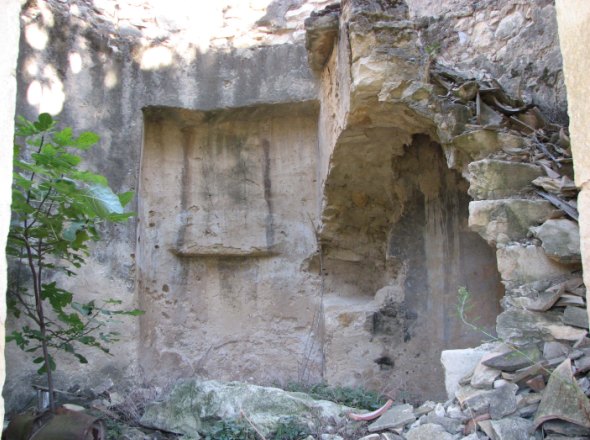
point(563, 399)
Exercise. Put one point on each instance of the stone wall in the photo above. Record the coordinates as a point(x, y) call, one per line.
point(292, 224)
point(9, 51)
point(513, 41)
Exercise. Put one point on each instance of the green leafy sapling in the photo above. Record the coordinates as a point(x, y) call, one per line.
point(56, 210)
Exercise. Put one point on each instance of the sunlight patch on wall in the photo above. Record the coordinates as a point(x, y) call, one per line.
point(47, 93)
point(75, 62)
point(111, 79)
point(154, 58)
point(36, 36)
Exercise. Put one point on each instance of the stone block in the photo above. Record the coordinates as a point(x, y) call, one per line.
point(512, 428)
point(397, 416)
point(527, 263)
point(502, 221)
point(479, 143)
point(458, 364)
point(560, 240)
point(428, 431)
point(496, 179)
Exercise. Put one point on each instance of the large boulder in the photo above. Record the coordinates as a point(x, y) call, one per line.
point(194, 406)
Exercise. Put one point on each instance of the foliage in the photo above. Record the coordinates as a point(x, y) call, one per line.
point(290, 430)
point(353, 397)
point(57, 208)
point(231, 429)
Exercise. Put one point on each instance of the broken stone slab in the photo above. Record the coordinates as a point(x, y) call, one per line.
point(390, 436)
point(570, 300)
point(505, 220)
point(582, 365)
point(576, 316)
point(526, 373)
point(371, 437)
point(563, 399)
point(459, 363)
point(561, 185)
point(428, 431)
point(479, 143)
point(425, 408)
point(543, 301)
point(565, 428)
point(195, 405)
point(511, 428)
point(527, 263)
point(553, 349)
point(560, 239)
point(498, 179)
point(395, 417)
point(484, 376)
point(520, 327)
point(499, 403)
point(565, 332)
point(452, 426)
point(519, 357)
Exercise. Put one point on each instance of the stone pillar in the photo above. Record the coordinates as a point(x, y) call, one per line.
point(573, 19)
point(9, 22)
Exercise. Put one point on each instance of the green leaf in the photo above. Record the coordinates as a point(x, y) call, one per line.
point(134, 312)
point(70, 232)
point(43, 368)
point(81, 358)
point(89, 177)
point(44, 122)
point(58, 298)
point(86, 140)
point(63, 137)
point(84, 309)
point(126, 197)
point(104, 201)
point(18, 339)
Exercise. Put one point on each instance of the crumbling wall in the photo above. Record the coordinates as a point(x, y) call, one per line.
point(394, 303)
point(294, 224)
point(513, 41)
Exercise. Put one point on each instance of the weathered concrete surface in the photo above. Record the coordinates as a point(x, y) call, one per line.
point(8, 59)
point(574, 34)
point(226, 201)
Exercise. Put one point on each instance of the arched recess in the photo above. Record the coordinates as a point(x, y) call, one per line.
point(397, 248)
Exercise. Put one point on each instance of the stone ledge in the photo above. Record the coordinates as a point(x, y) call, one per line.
point(223, 251)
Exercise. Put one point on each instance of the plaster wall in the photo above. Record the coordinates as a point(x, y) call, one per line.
point(574, 35)
point(8, 60)
point(227, 206)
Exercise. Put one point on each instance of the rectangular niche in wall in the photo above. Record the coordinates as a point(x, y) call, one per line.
point(221, 163)
point(222, 198)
